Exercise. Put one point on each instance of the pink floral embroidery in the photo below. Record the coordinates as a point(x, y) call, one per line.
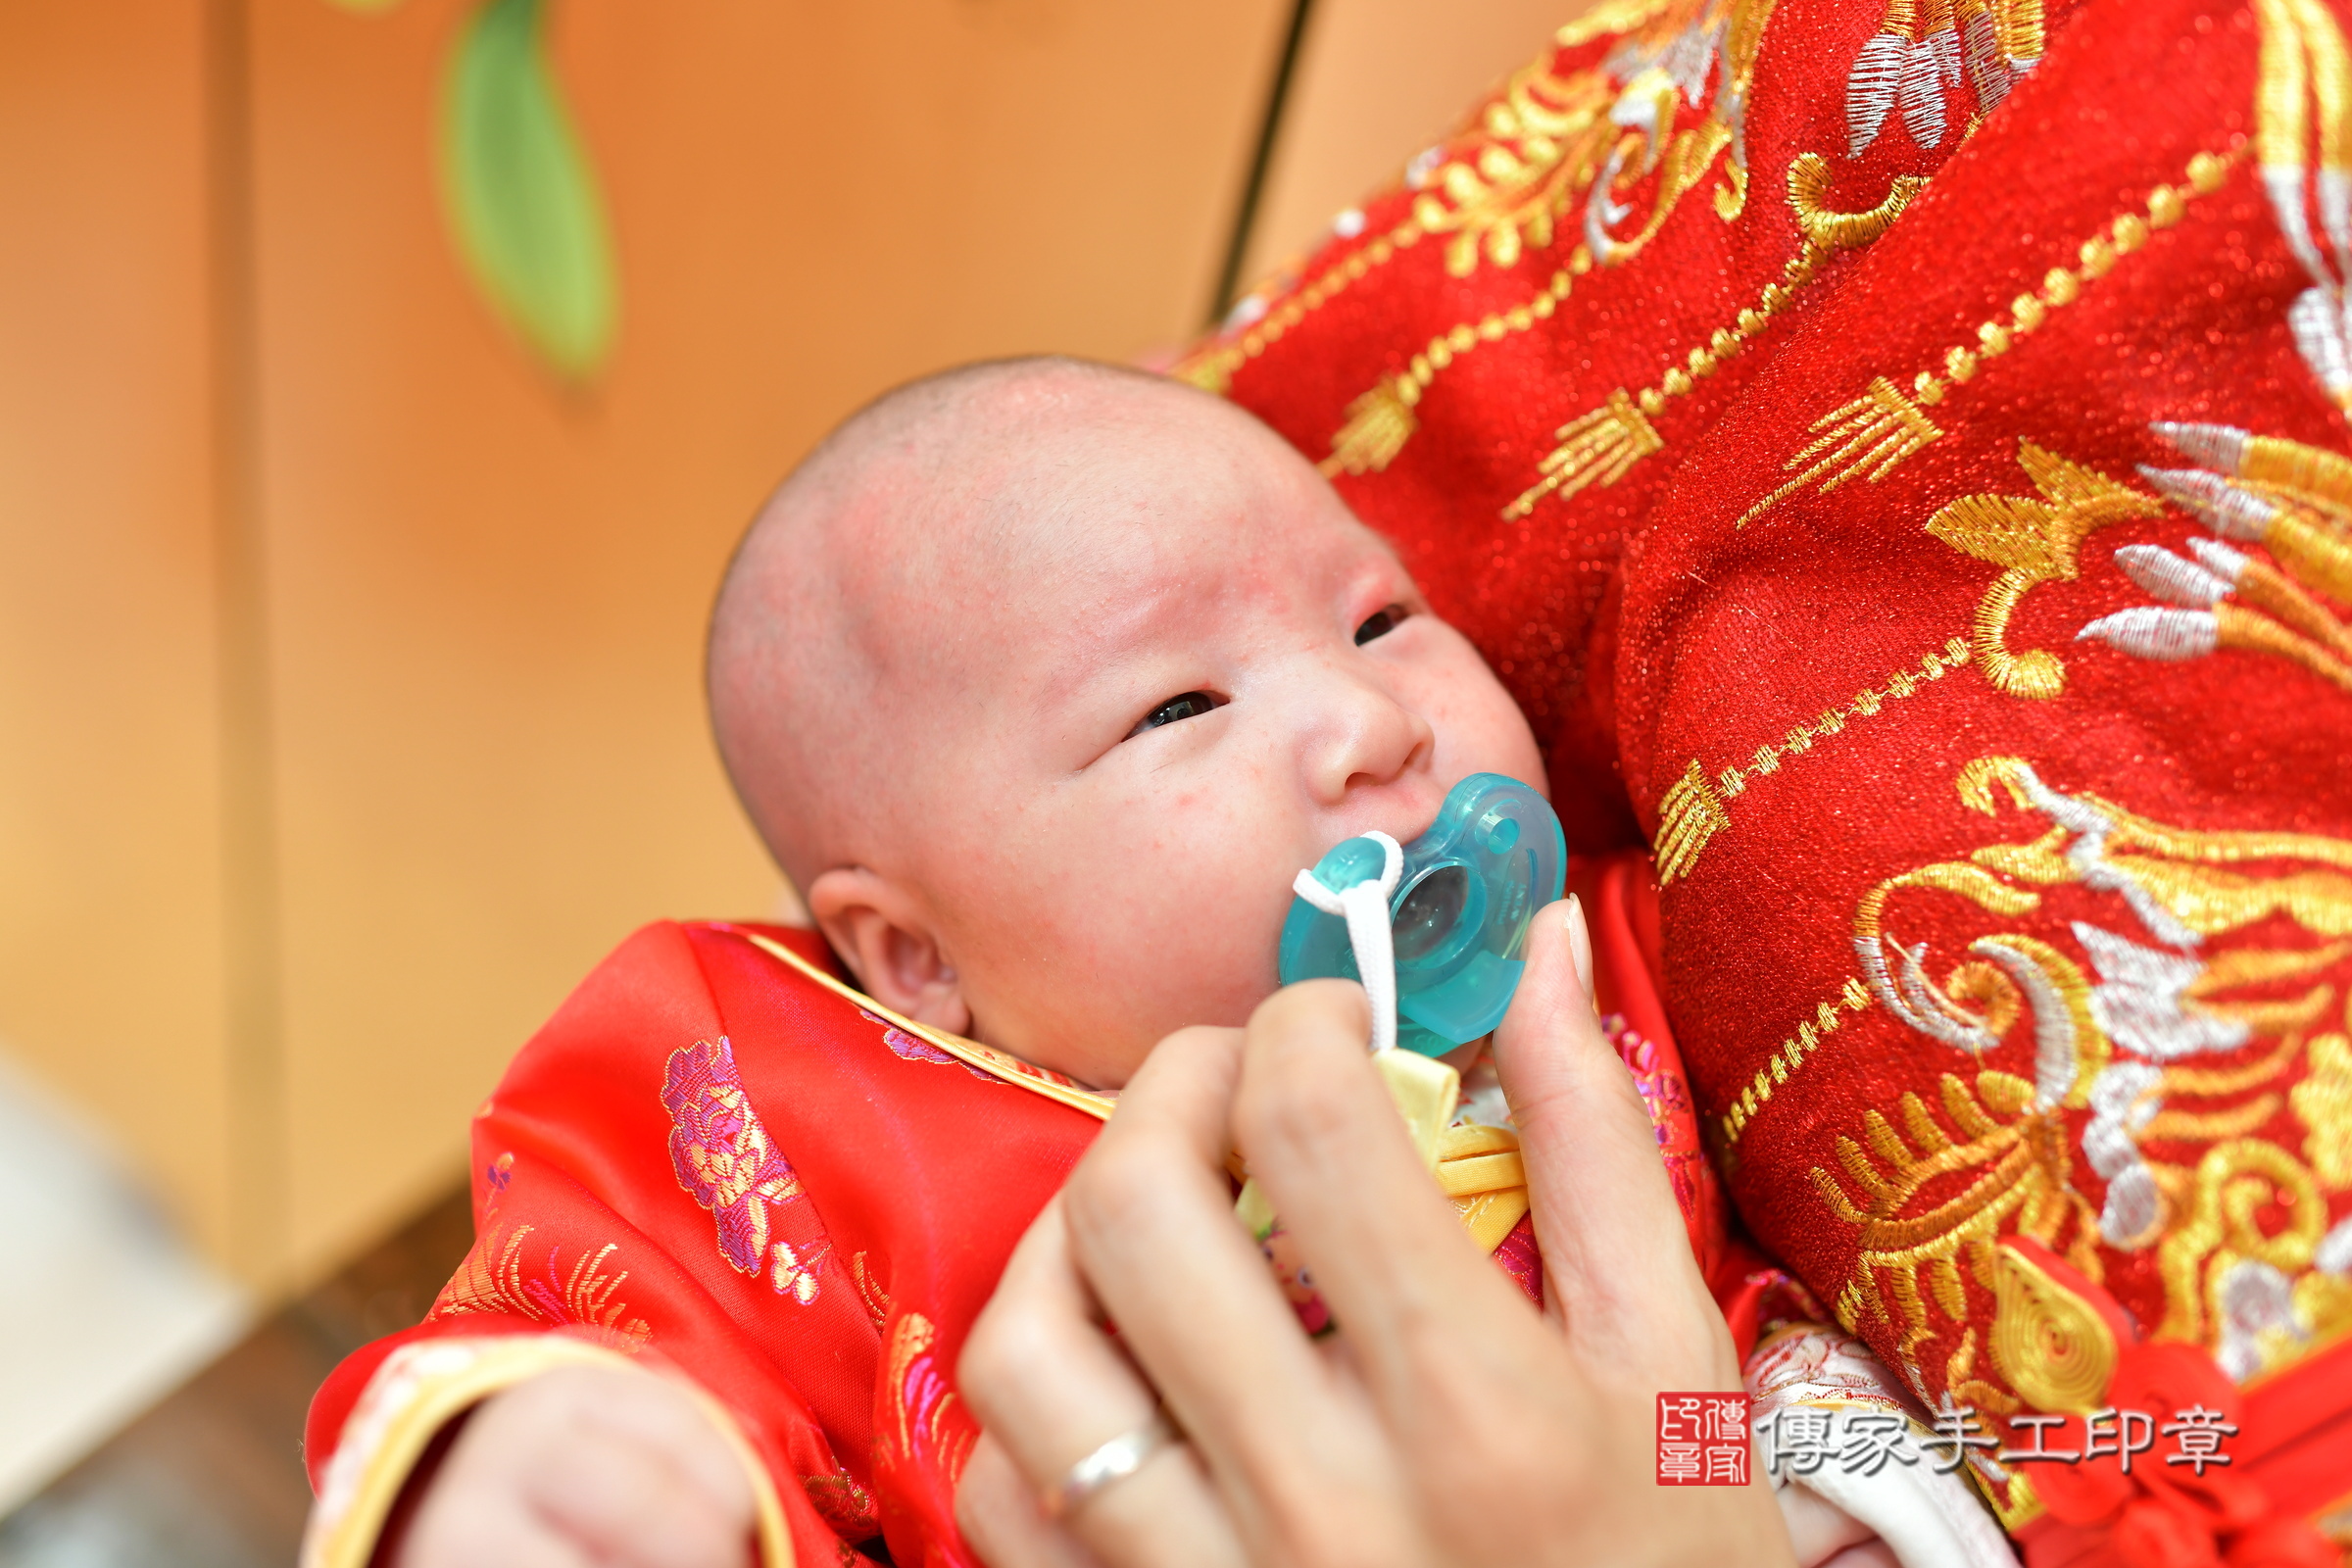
point(1667, 1098)
point(911, 1048)
point(1520, 1258)
point(725, 1161)
point(494, 1177)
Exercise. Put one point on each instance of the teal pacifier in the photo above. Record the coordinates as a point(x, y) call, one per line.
point(1445, 916)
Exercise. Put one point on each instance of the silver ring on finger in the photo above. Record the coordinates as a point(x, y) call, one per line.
point(1115, 1461)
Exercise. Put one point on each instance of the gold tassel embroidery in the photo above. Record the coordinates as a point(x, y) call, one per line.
point(1802, 1045)
point(1689, 813)
point(1382, 420)
point(1596, 449)
point(1866, 438)
point(1379, 424)
point(1878, 431)
point(1601, 444)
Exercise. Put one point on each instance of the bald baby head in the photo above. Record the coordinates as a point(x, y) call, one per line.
point(866, 588)
point(1042, 679)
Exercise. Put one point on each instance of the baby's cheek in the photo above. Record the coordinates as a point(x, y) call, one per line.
point(1481, 730)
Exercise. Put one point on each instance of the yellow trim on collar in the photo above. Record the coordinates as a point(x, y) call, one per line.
point(995, 1064)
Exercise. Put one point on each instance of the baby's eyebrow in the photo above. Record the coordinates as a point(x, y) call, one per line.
point(1100, 640)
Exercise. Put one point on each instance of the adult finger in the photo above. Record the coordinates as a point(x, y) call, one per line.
point(621, 1462)
point(469, 1528)
point(625, 1504)
point(646, 1413)
point(1050, 1387)
point(1615, 1267)
point(1389, 1254)
point(998, 1513)
point(1152, 1229)
point(480, 1527)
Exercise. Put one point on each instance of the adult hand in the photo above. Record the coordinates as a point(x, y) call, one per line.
point(585, 1466)
point(1446, 1422)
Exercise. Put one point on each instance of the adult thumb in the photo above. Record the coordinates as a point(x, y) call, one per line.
point(1617, 1264)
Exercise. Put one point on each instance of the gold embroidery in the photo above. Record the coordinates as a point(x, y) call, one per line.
point(1689, 813)
point(2051, 1345)
point(1380, 423)
point(869, 1290)
point(1210, 367)
point(1826, 230)
point(1799, 1046)
point(1927, 1190)
point(2026, 1174)
point(1693, 810)
point(584, 1299)
point(2220, 1083)
point(2303, 86)
point(1866, 438)
point(2234, 1181)
point(2034, 542)
point(2185, 1126)
point(1550, 138)
point(1599, 447)
point(1872, 436)
point(1962, 1385)
point(1596, 448)
point(2287, 498)
point(1501, 192)
point(2166, 872)
point(1500, 187)
point(2323, 1103)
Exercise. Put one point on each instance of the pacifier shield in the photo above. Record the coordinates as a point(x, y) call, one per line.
point(1458, 916)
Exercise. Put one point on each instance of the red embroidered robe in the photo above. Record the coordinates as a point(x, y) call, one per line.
point(715, 1159)
point(1897, 450)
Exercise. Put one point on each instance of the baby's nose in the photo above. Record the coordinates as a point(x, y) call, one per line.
point(1368, 738)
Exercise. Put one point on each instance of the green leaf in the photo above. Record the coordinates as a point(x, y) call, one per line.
point(520, 193)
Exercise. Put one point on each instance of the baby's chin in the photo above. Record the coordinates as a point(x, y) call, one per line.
point(1103, 1060)
point(1102, 1046)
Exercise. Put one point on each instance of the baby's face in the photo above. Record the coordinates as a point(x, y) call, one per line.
point(1145, 719)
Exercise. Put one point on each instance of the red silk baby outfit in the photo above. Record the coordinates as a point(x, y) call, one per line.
point(719, 1160)
point(1896, 451)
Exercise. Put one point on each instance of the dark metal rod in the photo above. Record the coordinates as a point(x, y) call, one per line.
point(259, 1174)
point(1245, 216)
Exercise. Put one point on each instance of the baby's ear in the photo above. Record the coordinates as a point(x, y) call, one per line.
point(885, 936)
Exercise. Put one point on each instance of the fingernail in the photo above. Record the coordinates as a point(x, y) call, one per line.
point(1580, 944)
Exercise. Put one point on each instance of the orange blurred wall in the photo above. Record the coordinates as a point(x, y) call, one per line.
point(110, 875)
point(346, 718)
point(349, 685)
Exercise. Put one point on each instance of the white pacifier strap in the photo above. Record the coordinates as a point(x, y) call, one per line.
point(1365, 908)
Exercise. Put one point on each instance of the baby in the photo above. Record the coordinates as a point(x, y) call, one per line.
point(1041, 679)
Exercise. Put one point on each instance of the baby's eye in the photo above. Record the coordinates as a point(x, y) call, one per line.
point(1191, 704)
point(1381, 623)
